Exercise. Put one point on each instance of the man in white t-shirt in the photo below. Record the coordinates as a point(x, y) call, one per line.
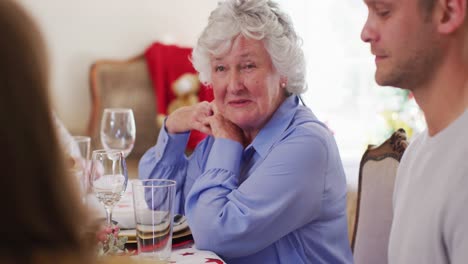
point(422, 45)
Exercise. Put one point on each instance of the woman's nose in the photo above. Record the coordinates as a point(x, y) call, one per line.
point(235, 82)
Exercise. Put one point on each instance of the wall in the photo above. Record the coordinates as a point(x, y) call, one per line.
point(80, 32)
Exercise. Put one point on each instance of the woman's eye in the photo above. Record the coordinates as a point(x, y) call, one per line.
point(249, 66)
point(220, 68)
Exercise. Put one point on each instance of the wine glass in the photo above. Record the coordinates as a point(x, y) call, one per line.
point(108, 178)
point(118, 129)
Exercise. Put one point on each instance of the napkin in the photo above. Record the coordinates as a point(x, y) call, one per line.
point(122, 212)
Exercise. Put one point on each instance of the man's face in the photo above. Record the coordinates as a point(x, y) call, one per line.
point(403, 40)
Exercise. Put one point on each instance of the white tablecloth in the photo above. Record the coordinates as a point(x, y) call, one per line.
point(191, 255)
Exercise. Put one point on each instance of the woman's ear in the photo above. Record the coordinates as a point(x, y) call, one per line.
point(283, 81)
point(450, 15)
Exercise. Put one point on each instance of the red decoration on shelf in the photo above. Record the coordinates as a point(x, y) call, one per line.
point(166, 63)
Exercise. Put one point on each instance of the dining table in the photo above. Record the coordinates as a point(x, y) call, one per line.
point(188, 254)
point(184, 249)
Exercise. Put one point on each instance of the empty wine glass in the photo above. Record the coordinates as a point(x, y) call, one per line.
point(108, 178)
point(118, 129)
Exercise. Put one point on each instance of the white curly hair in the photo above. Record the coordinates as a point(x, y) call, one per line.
point(255, 19)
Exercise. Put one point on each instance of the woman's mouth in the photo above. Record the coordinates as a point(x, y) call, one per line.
point(239, 102)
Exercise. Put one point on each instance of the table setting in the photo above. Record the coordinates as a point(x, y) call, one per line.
point(139, 219)
point(183, 248)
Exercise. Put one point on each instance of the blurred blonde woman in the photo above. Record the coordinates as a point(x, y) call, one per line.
point(42, 216)
point(43, 220)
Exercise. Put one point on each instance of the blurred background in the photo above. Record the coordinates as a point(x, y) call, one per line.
point(341, 87)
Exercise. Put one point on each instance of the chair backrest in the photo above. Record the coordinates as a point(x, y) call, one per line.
point(374, 203)
point(124, 83)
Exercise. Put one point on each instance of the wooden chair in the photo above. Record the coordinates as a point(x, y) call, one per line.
point(374, 202)
point(124, 83)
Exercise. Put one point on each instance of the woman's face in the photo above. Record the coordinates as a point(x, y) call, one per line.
point(246, 86)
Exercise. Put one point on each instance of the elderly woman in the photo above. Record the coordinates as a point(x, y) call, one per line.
point(267, 185)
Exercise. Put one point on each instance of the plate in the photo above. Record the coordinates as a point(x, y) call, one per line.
point(180, 231)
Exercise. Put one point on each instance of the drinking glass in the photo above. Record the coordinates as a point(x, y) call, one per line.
point(80, 150)
point(153, 202)
point(118, 129)
point(108, 178)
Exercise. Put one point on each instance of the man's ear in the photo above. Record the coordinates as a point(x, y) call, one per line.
point(450, 15)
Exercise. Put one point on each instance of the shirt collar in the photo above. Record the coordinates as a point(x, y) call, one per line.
point(273, 129)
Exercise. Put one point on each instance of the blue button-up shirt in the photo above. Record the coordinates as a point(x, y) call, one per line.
point(282, 199)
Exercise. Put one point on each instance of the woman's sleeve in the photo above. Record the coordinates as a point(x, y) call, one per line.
point(284, 193)
point(66, 140)
point(166, 160)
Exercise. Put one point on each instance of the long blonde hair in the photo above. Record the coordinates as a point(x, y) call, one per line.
point(41, 210)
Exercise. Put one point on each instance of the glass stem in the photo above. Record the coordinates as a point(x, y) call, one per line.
point(109, 216)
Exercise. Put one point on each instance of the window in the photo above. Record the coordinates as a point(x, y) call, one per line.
point(340, 74)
